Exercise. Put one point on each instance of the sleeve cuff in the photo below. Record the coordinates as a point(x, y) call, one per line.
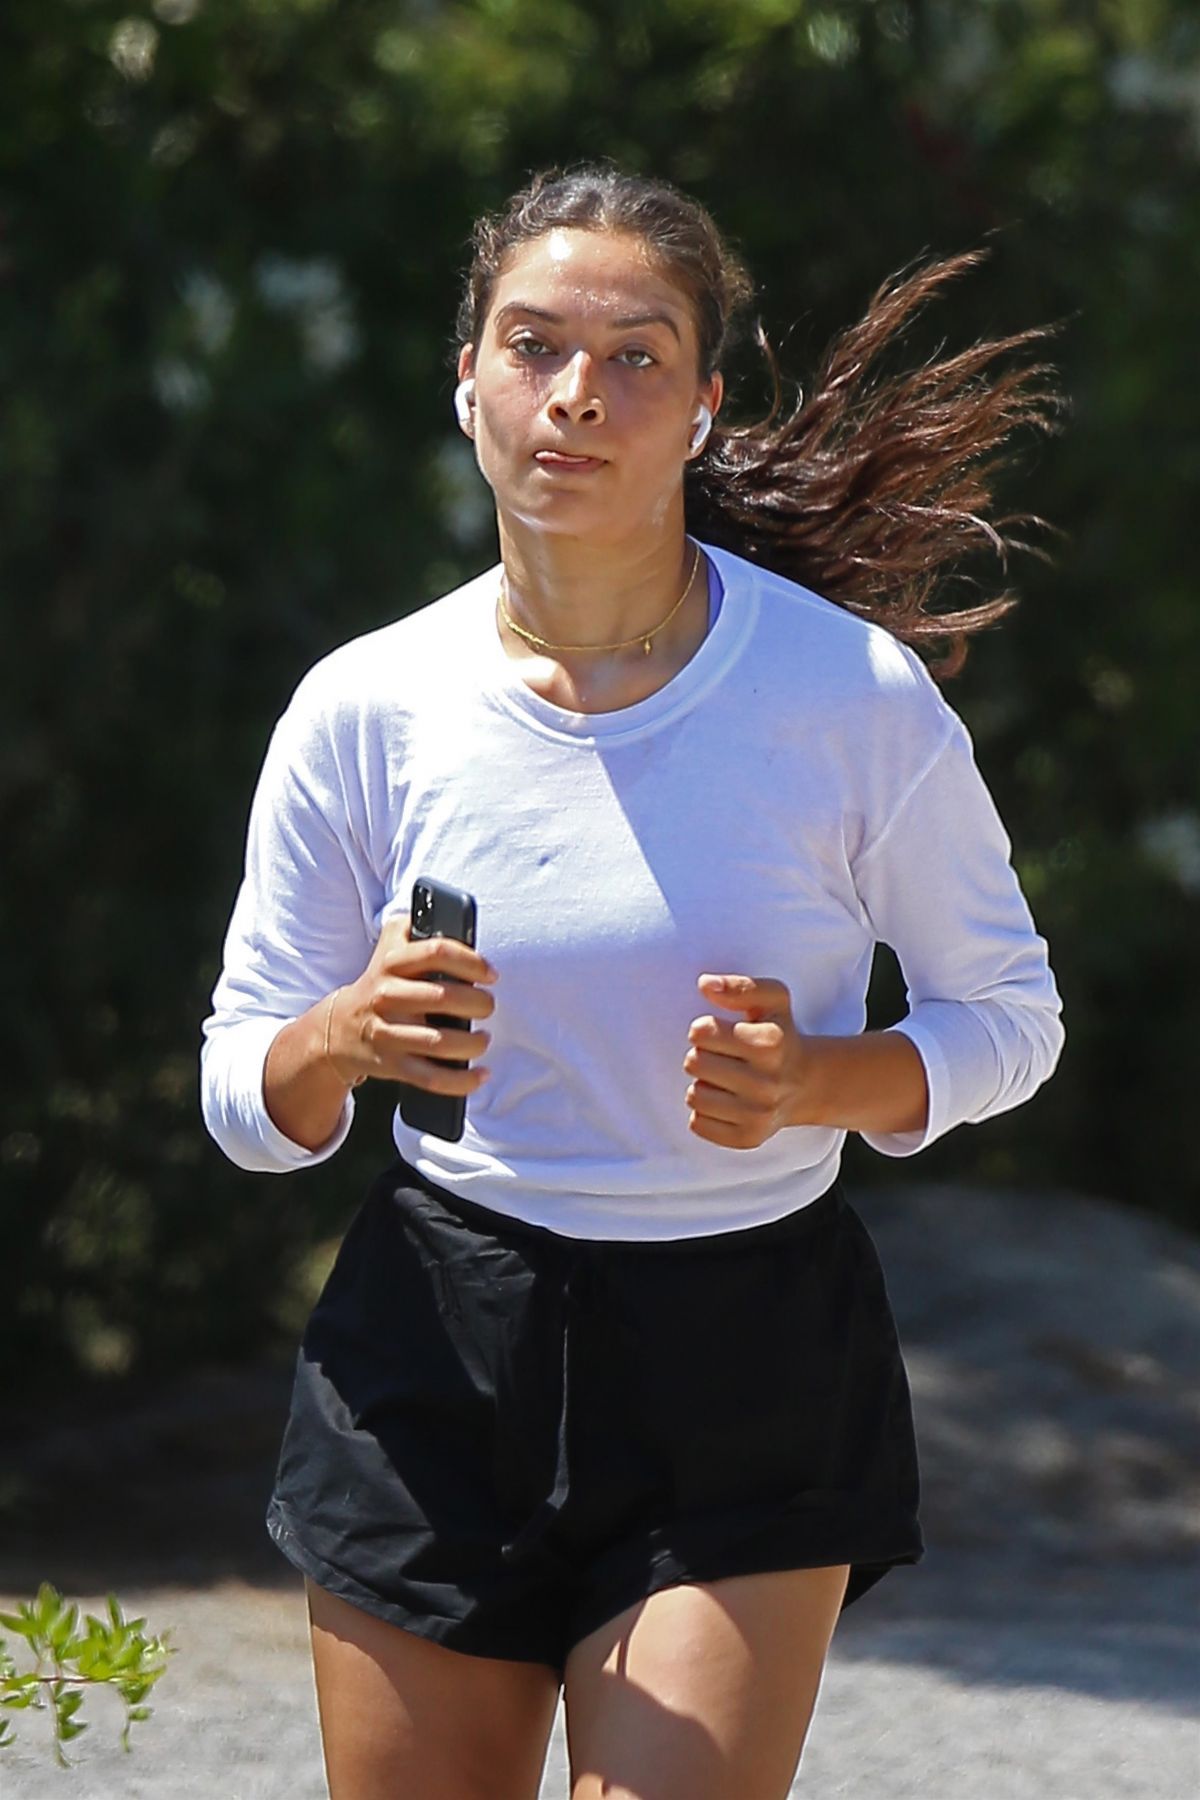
point(234, 1109)
point(937, 1080)
point(285, 1153)
point(283, 1150)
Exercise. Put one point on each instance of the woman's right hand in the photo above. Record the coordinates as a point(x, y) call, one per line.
point(377, 1024)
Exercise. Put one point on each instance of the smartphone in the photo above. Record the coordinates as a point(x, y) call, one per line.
point(438, 910)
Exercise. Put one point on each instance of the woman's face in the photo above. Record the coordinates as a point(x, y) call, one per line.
point(554, 369)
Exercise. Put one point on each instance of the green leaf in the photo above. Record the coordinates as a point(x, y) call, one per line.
point(69, 1728)
point(29, 1680)
point(64, 1625)
point(49, 1604)
point(140, 1712)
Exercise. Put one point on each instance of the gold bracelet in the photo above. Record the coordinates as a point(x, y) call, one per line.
point(358, 1079)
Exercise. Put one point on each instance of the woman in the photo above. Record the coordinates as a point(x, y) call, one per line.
point(607, 1394)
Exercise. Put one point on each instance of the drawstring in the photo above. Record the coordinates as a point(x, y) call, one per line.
point(578, 1294)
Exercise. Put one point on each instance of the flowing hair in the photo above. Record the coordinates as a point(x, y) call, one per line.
point(873, 487)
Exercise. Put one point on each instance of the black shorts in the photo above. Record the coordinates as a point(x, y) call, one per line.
point(500, 1436)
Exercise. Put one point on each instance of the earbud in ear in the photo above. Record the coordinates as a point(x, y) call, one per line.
point(462, 398)
point(703, 425)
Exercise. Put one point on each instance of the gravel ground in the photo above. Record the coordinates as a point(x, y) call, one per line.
point(1047, 1646)
point(1052, 1700)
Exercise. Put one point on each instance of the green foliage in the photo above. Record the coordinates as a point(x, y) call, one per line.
point(232, 239)
point(115, 1651)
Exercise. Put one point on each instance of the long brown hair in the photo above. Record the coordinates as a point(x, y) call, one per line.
point(872, 488)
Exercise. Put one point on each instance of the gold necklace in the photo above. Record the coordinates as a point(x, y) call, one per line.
point(643, 637)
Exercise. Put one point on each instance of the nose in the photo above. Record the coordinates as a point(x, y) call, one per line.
point(575, 395)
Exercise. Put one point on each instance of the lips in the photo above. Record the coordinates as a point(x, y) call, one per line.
point(560, 459)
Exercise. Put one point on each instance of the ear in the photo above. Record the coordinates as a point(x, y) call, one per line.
point(466, 361)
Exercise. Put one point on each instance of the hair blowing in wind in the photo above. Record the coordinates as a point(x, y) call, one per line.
point(875, 488)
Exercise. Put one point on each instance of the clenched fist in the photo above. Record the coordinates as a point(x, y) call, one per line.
point(753, 1075)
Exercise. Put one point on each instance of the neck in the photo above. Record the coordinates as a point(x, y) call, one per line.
point(572, 591)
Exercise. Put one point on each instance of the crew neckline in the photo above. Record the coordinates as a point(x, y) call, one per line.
point(722, 644)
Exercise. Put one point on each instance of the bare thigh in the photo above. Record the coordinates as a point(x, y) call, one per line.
point(702, 1691)
point(403, 1715)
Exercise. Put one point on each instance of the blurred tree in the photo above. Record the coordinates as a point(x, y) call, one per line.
point(231, 237)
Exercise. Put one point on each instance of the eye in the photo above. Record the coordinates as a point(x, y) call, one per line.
point(528, 344)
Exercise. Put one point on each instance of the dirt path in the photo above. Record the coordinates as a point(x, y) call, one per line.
point(1052, 1703)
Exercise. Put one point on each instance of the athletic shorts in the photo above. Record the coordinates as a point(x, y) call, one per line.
point(500, 1436)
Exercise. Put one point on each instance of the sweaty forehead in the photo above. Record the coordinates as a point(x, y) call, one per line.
point(593, 272)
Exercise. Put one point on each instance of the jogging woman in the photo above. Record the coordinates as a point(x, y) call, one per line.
point(605, 1395)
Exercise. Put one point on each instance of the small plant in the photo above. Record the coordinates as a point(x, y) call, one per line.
point(118, 1653)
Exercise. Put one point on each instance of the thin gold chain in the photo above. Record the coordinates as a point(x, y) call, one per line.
point(643, 637)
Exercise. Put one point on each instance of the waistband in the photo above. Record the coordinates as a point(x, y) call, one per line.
point(504, 1227)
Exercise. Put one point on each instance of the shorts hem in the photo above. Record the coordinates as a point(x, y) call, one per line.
point(453, 1634)
point(666, 1569)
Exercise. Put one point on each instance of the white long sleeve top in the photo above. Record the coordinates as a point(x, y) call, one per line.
point(799, 791)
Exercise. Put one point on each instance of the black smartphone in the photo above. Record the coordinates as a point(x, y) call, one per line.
point(439, 910)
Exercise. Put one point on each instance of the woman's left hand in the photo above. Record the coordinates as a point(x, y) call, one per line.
point(751, 1076)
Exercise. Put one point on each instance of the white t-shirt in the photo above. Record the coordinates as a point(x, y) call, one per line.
point(798, 791)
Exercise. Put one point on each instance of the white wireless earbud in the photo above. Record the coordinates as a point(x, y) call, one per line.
point(462, 395)
point(703, 425)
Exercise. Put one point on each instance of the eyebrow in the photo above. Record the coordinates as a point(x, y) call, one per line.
point(623, 324)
